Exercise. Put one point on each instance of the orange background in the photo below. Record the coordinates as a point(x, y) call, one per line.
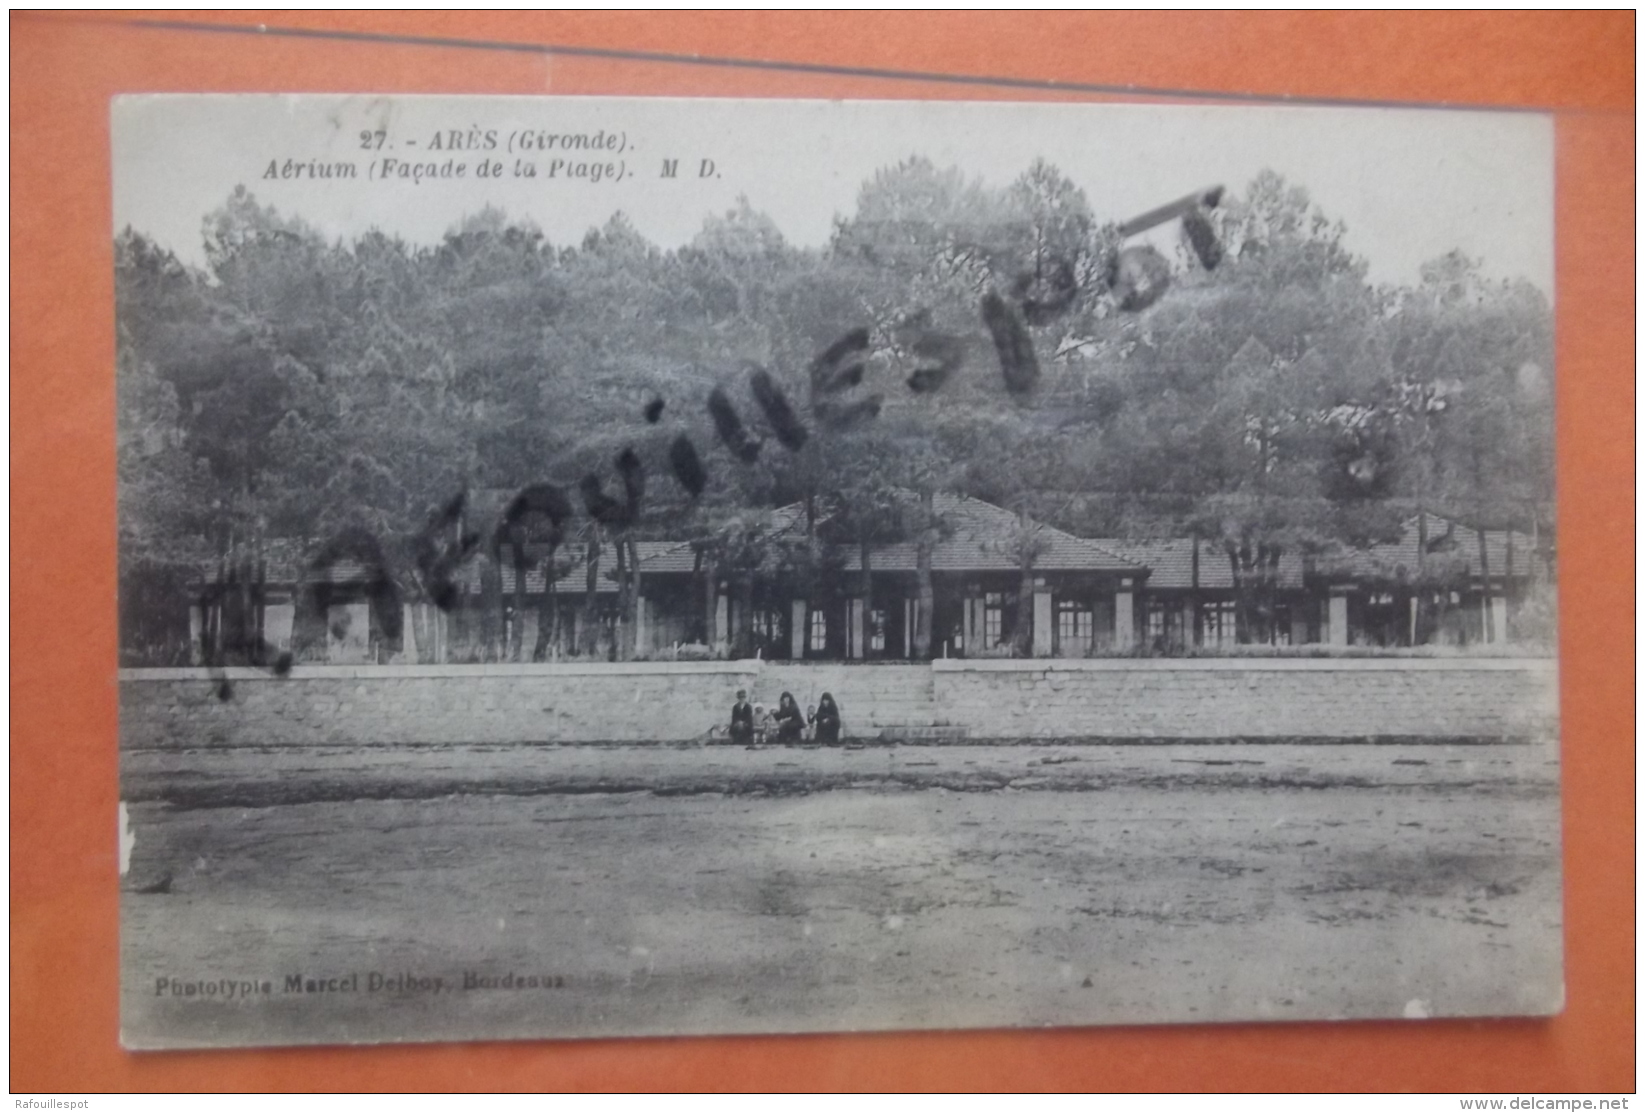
point(64, 884)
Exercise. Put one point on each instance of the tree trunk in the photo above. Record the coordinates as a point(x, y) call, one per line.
point(634, 600)
point(1198, 632)
point(865, 588)
point(591, 598)
point(1419, 622)
point(557, 641)
point(627, 572)
point(516, 638)
point(744, 646)
point(1270, 593)
point(216, 621)
point(491, 612)
point(1023, 628)
point(251, 613)
point(268, 653)
point(1539, 551)
point(1023, 636)
point(1242, 621)
point(545, 608)
point(247, 647)
point(922, 572)
point(706, 567)
point(1487, 619)
point(1442, 613)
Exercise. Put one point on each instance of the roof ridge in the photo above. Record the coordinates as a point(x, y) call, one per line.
point(1105, 550)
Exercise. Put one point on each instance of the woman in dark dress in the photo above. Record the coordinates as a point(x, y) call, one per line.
point(790, 720)
point(827, 719)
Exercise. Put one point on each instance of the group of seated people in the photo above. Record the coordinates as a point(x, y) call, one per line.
point(754, 725)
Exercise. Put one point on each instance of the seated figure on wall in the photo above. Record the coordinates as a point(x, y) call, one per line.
point(789, 720)
point(827, 720)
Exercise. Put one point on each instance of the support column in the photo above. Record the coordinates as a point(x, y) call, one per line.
point(722, 618)
point(642, 625)
point(528, 633)
point(909, 606)
point(196, 631)
point(1044, 623)
point(1499, 617)
point(970, 626)
point(1337, 616)
point(1125, 622)
point(798, 611)
point(277, 622)
point(348, 633)
point(855, 643)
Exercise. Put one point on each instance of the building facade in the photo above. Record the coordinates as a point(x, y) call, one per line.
point(1441, 583)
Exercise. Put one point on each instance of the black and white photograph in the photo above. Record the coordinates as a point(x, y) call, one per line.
point(601, 567)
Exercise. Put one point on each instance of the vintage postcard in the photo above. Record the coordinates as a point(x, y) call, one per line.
point(600, 567)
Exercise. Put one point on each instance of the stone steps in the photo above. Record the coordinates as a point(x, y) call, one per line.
point(934, 732)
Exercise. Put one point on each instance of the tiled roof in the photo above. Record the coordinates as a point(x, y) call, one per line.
point(680, 557)
point(1171, 563)
point(980, 537)
point(1449, 543)
point(284, 562)
point(576, 580)
point(285, 565)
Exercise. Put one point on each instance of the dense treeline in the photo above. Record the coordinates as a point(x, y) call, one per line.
point(301, 389)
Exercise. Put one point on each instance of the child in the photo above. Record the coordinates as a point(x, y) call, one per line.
point(762, 724)
point(742, 720)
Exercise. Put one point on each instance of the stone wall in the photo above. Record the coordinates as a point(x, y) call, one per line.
point(667, 702)
point(1259, 698)
point(871, 698)
point(390, 704)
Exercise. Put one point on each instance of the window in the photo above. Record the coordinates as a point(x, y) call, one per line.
point(1073, 626)
point(769, 637)
point(819, 632)
point(1166, 625)
point(1218, 623)
point(877, 619)
point(993, 618)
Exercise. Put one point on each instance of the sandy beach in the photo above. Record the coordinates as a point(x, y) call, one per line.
point(456, 892)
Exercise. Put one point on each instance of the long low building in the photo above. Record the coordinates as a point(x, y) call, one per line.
point(1079, 597)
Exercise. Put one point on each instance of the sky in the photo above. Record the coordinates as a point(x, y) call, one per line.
point(1410, 185)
